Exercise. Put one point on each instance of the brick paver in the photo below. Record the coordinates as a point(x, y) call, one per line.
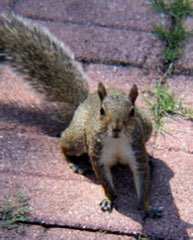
point(110, 45)
point(41, 233)
point(184, 64)
point(28, 233)
point(55, 234)
point(136, 15)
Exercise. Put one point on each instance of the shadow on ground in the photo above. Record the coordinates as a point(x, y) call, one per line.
point(170, 224)
point(41, 119)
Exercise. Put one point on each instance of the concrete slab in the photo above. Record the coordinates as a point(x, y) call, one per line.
point(137, 15)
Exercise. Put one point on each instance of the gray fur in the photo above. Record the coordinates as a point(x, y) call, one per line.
point(44, 60)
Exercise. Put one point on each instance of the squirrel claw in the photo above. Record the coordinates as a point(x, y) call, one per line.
point(106, 205)
point(79, 169)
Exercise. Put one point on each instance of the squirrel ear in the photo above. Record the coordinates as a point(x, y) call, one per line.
point(133, 93)
point(101, 91)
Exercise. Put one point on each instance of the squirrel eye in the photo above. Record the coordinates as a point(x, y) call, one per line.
point(132, 112)
point(102, 111)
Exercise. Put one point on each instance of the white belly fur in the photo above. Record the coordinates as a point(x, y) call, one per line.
point(118, 150)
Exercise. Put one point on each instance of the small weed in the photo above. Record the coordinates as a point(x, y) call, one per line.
point(185, 112)
point(14, 210)
point(180, 9)
point(164, 104)
point(177, 9)
point(173, 39)
point(159, 6)
point(173, 36)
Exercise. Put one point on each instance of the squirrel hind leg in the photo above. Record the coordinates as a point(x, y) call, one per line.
point(77, 159)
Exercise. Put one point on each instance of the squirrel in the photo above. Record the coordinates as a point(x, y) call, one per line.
point(106, 125)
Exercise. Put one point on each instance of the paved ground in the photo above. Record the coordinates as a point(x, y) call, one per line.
point(114, 40)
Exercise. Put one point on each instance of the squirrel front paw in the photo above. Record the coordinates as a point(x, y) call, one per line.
point(106, 205)
point(153, 213)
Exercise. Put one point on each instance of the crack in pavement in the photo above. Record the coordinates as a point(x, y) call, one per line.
point(80, 228)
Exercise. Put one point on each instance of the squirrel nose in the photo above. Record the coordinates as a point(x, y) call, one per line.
point(116, 131)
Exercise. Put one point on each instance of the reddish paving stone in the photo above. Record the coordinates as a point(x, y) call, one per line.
point(122, 78)
point(110, 45)
point(188, 24)
point(185, 63)
point(64, 234)
point(26, 233)
point(15, 90)
point(119, 77)
point(177, 135)
point(73, 203)
point(182, 87)
point(131, 14)
point(40, 233)
point(32, 154)
point(173, 175)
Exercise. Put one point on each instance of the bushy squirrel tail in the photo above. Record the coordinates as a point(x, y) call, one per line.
point(45, 61)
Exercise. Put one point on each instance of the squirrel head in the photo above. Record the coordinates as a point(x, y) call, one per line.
point(117, 110)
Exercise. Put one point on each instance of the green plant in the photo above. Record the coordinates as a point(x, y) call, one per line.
point(14, 210)
point(164, 104)
point(174, 35)
point(185, 112)
point(159, 5)
point(173, 39)
point(177, 9)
